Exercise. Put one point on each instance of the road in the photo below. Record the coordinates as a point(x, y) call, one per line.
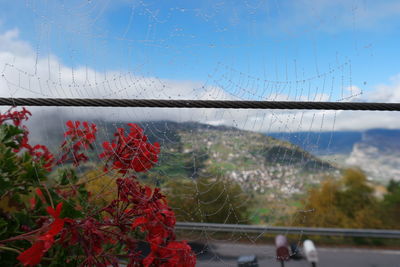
point(226, 254)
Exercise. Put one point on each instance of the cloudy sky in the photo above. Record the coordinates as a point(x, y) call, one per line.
point(329, 50)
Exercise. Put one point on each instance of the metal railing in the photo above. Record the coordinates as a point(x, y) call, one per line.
point(259, 229)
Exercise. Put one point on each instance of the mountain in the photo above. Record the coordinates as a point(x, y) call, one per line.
point(378, 154)
point(256, 161)
point(322, 143)
point(375, 151)
point(189, 150)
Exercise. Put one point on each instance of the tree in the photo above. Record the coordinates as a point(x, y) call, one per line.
point(101, 187)
point(391, 205)
point(347, 203)
point(320, 207)
point(208, 200)
point(357, 201)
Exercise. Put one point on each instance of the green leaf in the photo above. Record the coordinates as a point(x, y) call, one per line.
point(3, 226)
point(69, 211)
point(68, 176)
point(9, 134)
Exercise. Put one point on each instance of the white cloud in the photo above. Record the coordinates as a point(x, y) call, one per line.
point(354, 90)
point(23, 74)
point(387, 92)
point(9, 43)
point(26, 75)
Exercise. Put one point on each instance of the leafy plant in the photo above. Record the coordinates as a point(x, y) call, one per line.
point(54, 222)
point(347, 203)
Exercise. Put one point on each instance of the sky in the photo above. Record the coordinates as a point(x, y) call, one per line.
point(310, 50)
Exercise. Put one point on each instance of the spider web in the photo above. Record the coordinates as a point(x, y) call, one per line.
point(222, 162)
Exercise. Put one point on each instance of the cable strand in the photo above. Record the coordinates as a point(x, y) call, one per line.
point(223, 104)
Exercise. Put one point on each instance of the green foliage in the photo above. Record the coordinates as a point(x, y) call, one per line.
point(63, 220)
point(20, 175)
point(18, 172)
point(208, 200)
point(356, 196)
point(9, 134)
point(67, 176)
point(348, 203)
point(391, 204)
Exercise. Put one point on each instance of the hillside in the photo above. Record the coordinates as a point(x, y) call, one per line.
point(258, 162)
point(189, 150)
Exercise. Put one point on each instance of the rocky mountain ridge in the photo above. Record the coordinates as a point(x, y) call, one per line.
point(375, 151)
point(378, 154)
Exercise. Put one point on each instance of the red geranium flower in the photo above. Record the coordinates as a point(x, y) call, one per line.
point(79, 137)
point(42, 153)
point(16, 116)
point(85, 136)
point(136, 206)
point(34, 254)
point(131, 152)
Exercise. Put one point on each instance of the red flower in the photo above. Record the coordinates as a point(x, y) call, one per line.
point(94, 237)
point(130, 152)
point(34, 254)
point(39, 153)
point(179, 254)
point(32, 202)
point(137, 206)
point(42, 153)
point(152, 215)
point(79, 137)
point(40, 195)
point(16, 116)
point(85, 136)
point(139, 221)
point(55, 212)
point(174, 254)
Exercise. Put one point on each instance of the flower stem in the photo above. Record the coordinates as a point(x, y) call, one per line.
point(10, 249)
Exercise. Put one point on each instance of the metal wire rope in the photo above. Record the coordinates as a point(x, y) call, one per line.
point(225, 104)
